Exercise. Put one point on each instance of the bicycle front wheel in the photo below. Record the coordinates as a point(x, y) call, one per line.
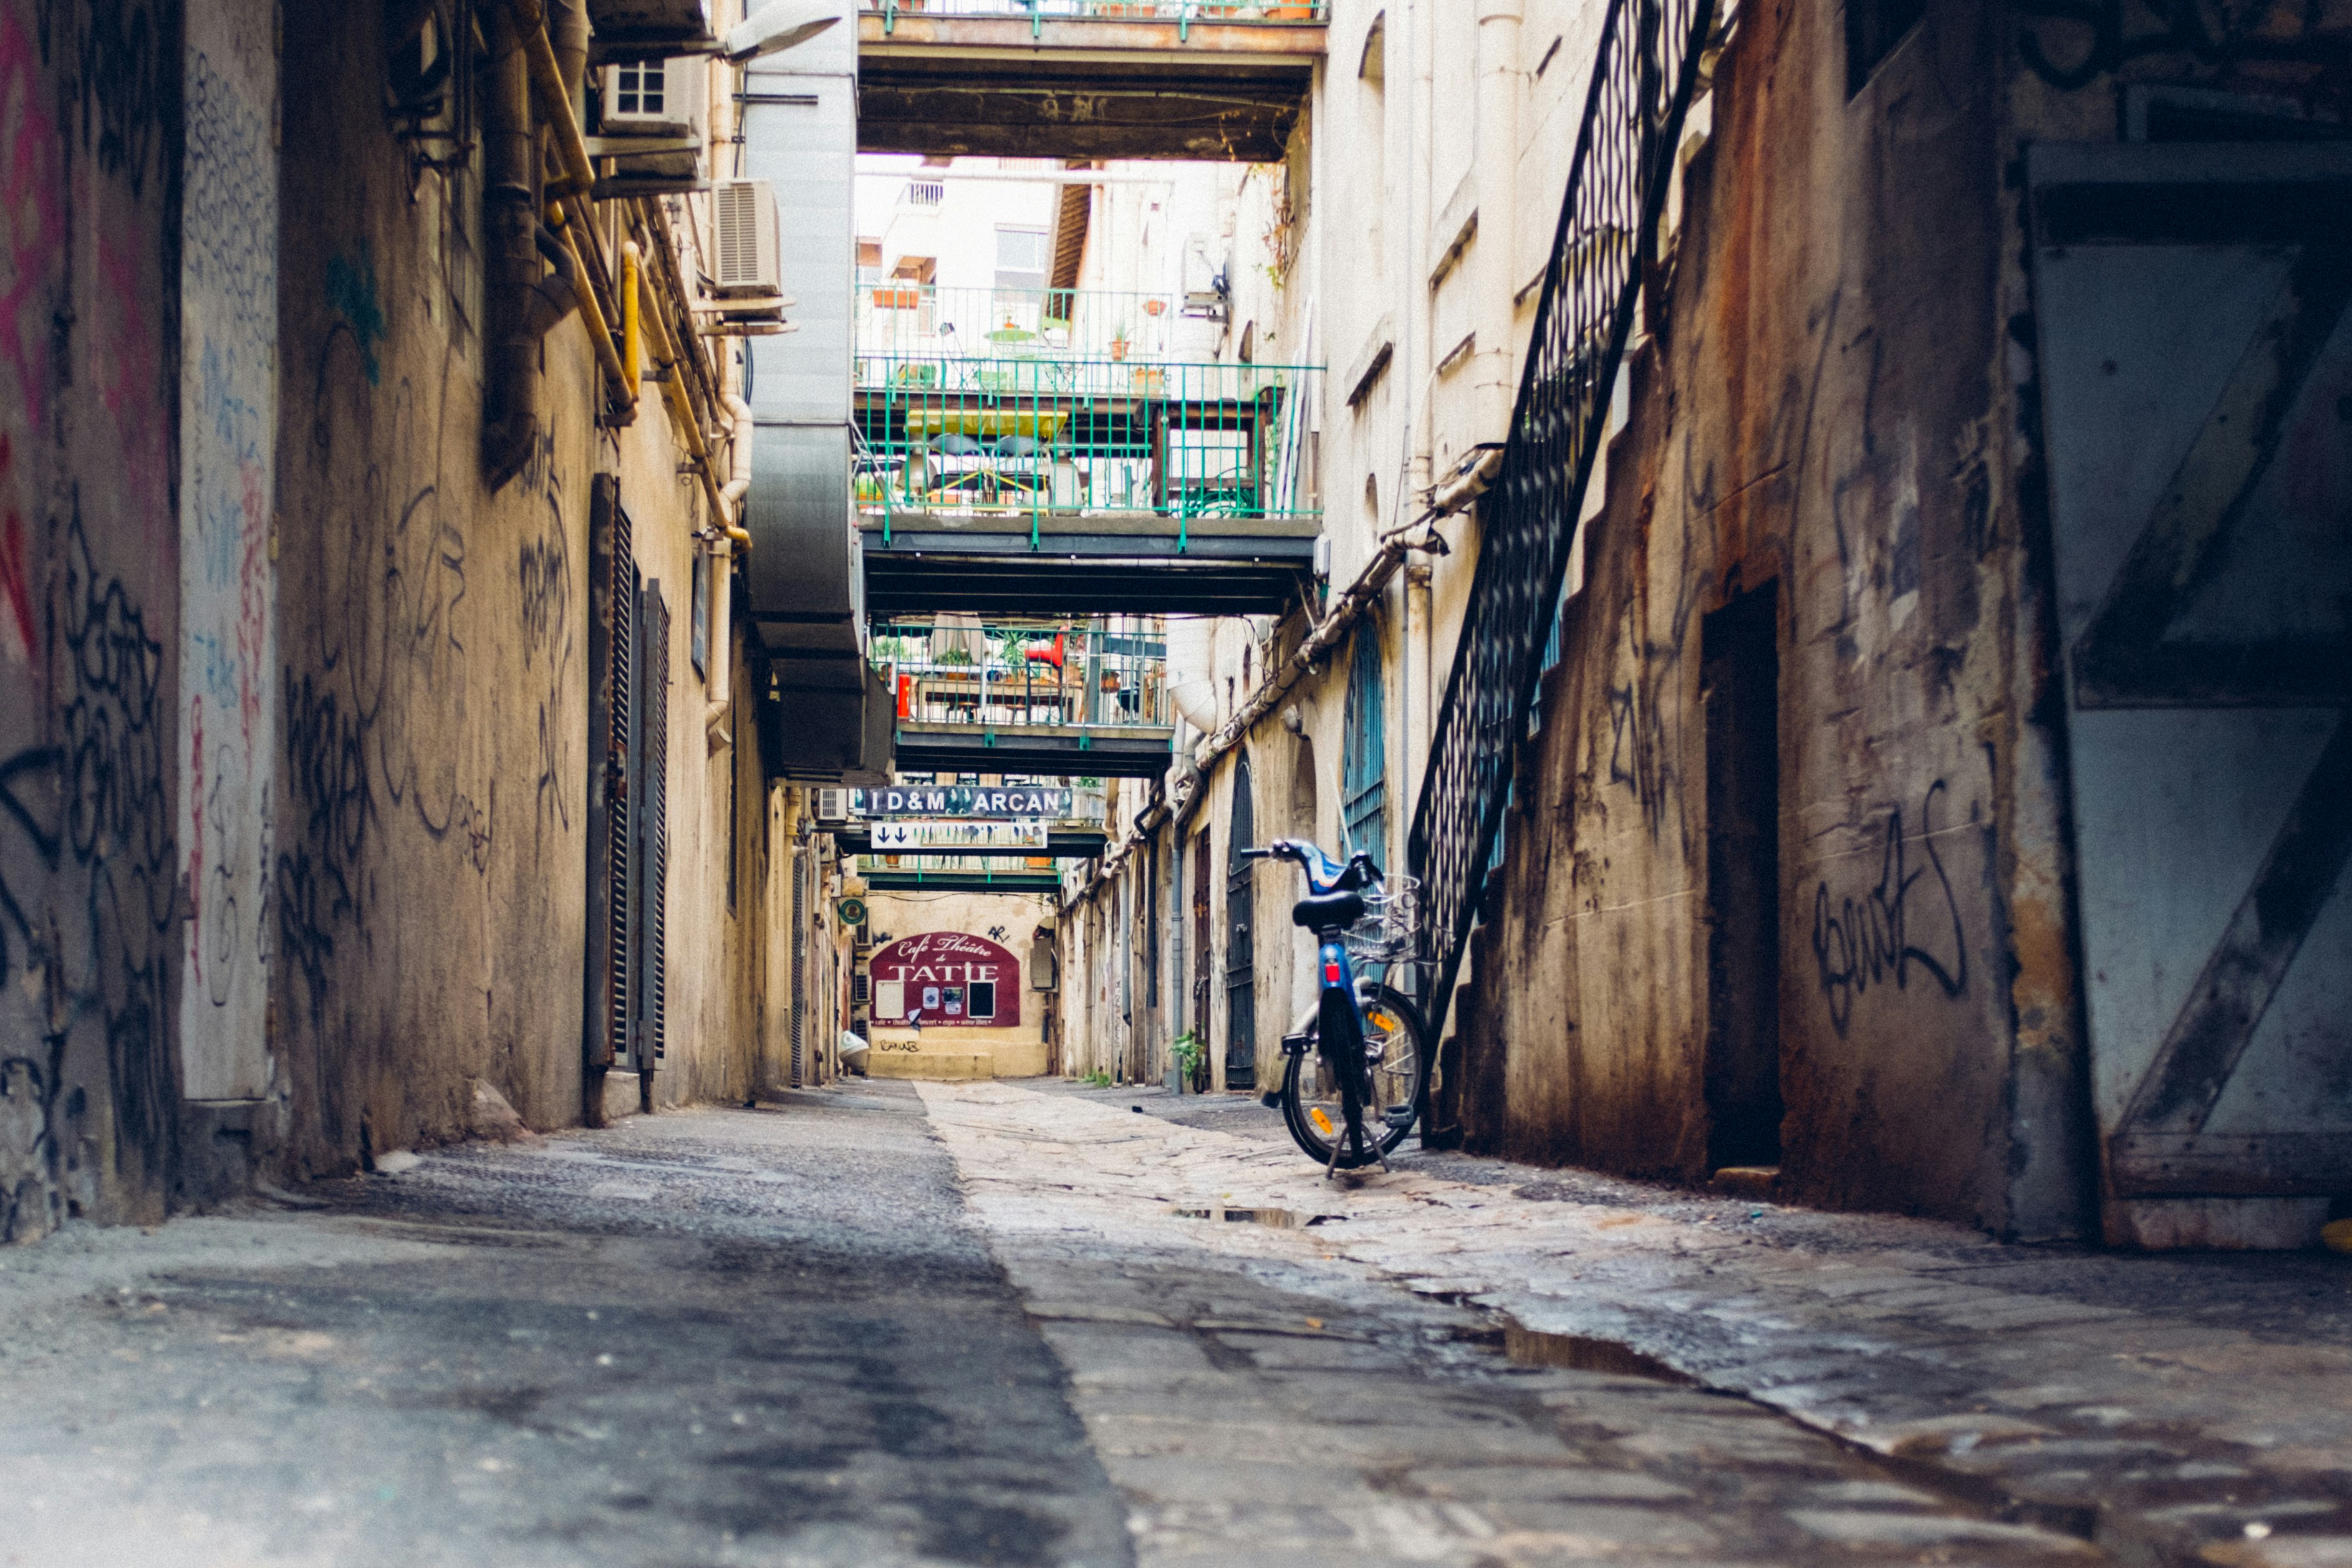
point(1395, 1059)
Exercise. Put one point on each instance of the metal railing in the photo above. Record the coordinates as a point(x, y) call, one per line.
point(899, 320)
point(1039, 12)
point(1032, 437)
point(953, 669)
point(1644, 76)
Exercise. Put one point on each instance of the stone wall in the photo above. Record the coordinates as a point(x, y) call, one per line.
point(1814, 439)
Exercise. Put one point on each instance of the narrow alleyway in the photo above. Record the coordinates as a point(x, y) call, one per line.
point(994, 1325)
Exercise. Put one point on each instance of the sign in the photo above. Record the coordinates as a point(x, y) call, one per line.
point(892, 838)
point(960, 801)
point(852, 910)
point(945, 978)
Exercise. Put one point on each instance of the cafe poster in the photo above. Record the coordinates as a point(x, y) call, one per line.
point(945, 979)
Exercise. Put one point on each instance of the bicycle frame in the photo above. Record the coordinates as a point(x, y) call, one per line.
point(1339, 1017)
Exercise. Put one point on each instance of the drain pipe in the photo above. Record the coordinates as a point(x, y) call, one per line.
point(511, 392)
point(716, 733)
point(567, 36)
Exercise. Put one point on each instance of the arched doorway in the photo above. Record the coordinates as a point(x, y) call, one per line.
point(1241, 942)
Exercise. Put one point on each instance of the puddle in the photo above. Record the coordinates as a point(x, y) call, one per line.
point(1582, 1353)
point(1280, 1218)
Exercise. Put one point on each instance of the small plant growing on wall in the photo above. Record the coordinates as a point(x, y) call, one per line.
point(1191, 1060)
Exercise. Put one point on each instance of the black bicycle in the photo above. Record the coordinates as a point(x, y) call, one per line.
point(1351, 1080)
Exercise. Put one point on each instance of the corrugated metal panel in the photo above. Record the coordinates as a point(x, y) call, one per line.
point(800, 133)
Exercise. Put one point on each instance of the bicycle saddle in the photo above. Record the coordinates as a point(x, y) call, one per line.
point(1328, 911)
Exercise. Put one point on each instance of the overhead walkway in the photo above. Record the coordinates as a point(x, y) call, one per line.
point(1055, 750)
point(1222, 79)
point(1019, 455)
point(1038, 699)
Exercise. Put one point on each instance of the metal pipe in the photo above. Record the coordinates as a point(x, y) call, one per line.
point(511, 392)
point(716, 733)
point(567, 34)
point(633, 330)
point(681, 411)
point(600, 331)
point(740, 435)
point(555, 101)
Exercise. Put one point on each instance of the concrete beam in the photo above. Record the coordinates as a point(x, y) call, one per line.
point(1025, 121)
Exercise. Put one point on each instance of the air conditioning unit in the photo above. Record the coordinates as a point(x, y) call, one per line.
point(832, 805)
point(748, 243)
point(656, 98)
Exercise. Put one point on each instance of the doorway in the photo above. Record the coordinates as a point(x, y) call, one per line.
point(1740, 687)
point(1241, 950)
point(1200, 1020)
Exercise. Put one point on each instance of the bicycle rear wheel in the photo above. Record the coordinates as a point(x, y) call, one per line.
point(1395, 1059)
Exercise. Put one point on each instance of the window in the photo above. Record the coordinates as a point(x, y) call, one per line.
point(984, 999)
point(1021, 257)
point(637, 87)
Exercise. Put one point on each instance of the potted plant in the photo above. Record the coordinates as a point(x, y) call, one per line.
point(1119, 341)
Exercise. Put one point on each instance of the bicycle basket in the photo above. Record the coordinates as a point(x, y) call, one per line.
point(1391, 925)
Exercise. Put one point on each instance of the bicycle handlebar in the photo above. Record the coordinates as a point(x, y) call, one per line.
point(1358, 870)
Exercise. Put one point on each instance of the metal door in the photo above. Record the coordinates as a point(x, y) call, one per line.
point(1241, 939)
point(1202, 1020)
point(2196, 363)
point(800, 967)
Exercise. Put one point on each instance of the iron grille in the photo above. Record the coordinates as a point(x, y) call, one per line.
point(1645, 73)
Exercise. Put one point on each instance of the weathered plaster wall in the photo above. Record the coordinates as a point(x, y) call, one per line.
point(1010, 920)
point(1820, 415)
point(429, 882)
point(430, 863)
point(90, 902)
point(228, 655)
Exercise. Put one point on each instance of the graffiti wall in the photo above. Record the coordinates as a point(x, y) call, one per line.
point(426, 881)
point(1782, 889)
point(228, 645)
point(91, 910)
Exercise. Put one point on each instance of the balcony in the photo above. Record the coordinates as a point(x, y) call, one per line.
point(1038, 699)
point(1222, 79)
point(1033, 476)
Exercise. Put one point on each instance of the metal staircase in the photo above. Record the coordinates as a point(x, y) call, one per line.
point(1645, 76)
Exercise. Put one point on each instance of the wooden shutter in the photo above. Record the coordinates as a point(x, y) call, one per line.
point(652, 845)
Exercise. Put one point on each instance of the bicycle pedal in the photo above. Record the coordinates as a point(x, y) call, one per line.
point(1271, 1098)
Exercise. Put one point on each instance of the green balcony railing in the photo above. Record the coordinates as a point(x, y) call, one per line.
point(1041, 438)
point(1087, 674)
point(1038, 12)
point(899, 320)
